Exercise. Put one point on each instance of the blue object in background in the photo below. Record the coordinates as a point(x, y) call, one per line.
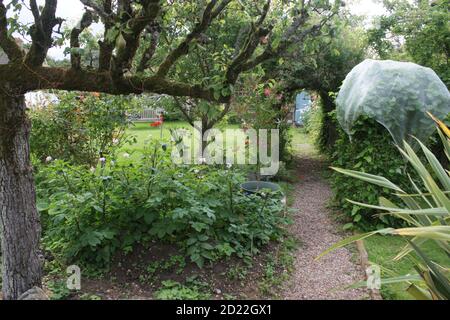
point(302, 104)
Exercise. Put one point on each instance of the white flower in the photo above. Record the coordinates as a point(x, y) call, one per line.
point(115, 141)
point(126, 155)
point(229, 165)
point(103, 160)
point(92, 169)
point(48, 159)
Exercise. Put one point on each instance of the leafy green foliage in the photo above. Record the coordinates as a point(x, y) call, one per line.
point(422, 26)
point(321, 62)
point(59, 290)
point(371, 150)
point(313, 122)
point(89, 215)
point(79, 128)
point(262, 105)
point(278, 267)
point(426, 211)
point(172, 290)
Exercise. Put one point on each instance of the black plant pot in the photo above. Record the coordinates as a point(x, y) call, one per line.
point(256, 187)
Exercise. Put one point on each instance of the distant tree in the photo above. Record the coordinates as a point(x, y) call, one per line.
point(417, 31)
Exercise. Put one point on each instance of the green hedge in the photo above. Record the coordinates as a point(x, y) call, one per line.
point(370, 150)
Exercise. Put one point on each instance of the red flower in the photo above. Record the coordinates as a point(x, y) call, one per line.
point(267, 92)
point(156, 124)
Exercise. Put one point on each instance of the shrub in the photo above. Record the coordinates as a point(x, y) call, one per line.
point(90, 214)
point(79, 128)
point(371, 149)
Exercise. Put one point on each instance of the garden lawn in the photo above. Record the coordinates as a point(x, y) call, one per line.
point(383, 249)
point(143, 132)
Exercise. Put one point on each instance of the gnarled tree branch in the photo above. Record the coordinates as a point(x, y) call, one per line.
point(154, 32)
point(41, 32)
point(253, 39)
point(24, 78)
point(105, 12)
point(211, 12)
point(112, 76)
point(289, 37)
point(75, 56)
point(7, 43)
point(106, 47)
point(135, 26)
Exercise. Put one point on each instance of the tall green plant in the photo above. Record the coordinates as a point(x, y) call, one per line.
point(427, 213)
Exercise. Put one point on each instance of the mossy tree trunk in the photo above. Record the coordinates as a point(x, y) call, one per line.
point(19, 219)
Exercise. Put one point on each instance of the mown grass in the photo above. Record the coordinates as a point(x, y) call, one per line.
point(303, 144)
point(143, 132)
point(383, 249)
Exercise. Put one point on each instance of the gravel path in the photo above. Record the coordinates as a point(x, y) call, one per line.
point(316, 231)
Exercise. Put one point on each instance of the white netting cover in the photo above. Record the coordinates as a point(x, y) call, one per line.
point(396, 94)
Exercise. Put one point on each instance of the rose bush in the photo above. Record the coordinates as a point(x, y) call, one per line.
point(79, 128)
